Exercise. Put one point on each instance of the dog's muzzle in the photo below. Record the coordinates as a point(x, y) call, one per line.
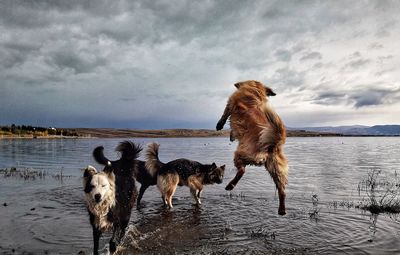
point(97, 198)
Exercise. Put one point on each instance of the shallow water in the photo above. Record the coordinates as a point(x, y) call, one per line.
point(48, 216)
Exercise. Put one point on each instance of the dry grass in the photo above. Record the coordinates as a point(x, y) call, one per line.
point(31, 174)
point(382, 193)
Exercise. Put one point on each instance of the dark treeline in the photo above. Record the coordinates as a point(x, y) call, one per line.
point(27, 129)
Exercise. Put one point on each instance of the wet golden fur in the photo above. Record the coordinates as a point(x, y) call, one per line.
point(260, 132)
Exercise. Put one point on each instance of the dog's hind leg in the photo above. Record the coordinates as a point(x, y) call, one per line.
point(199, 193)
point(170, 194)
point(240, 165)
point(277, 166)
point(167, 185)
point(195, 188)
point(141, 192)
point(193, 191)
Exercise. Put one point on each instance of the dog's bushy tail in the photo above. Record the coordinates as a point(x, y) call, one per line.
point(274, 135)
point(153, 163)
point(129, 150)
point(98, 154)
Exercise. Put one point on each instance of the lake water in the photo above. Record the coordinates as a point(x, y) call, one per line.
point(48, 216)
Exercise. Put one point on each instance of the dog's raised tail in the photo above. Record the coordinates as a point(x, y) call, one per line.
point(153, 163)
point(274, 135)
point(98, 154)
point(129, 150)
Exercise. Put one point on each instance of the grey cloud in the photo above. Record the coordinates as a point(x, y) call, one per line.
point(311, 56)
point(287, 78)
point(387, 57)
point(374, 97)
point(16, 53)
point(356, 61)
point(283, 55)
point(318, 65)
point(356, 54)
point(358, 97)
point(367, 99)
point(382, 34)
point(375, 46)
point(330, 97)
point(77, 62)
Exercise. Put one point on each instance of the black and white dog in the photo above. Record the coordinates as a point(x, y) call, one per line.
point(111, 194)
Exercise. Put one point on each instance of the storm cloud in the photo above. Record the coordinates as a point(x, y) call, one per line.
point(167, 64)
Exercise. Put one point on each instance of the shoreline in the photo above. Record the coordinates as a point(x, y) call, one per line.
point(102, 133)
point(96, 133)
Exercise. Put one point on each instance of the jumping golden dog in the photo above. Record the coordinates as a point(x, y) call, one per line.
point(261, 134)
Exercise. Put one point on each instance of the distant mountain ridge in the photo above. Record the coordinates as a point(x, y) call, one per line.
point(389, 130)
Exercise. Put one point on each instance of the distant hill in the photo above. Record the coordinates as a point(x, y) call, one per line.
point(122, 133)
point(386, 130)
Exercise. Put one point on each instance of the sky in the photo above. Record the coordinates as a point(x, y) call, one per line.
point(172, 63)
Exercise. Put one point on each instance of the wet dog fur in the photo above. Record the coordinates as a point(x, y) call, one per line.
point(140, 172)
point(111, 194)
point(260, 132)
point(181, 172)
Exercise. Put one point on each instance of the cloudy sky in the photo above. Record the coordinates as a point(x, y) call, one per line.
point(173, 63)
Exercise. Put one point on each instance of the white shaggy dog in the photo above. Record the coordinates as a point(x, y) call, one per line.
point(100, 196)
point(99, 190)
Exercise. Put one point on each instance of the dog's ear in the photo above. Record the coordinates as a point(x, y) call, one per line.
point(89, 171)
point(213, 165)
point(238, 84)
point(269, 92)
point(223, 167)
point(111, 176)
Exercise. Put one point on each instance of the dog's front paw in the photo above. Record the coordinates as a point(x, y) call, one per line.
point(220, 125)
point(229, 187)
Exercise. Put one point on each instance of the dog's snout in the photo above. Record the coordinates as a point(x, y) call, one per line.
point(97, 197)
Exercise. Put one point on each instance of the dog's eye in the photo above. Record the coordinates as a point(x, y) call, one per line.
point(92, 186)
point(103, 185)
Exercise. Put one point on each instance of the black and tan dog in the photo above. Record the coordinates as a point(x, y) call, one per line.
point(140, 172)
point(181, 172)
point(111, 194)
point(261, 134)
